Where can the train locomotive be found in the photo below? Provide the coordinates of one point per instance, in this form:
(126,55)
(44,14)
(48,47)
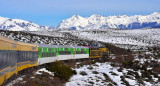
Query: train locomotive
(16,56)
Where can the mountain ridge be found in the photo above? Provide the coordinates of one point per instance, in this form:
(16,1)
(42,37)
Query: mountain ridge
(122,21)
(19,25)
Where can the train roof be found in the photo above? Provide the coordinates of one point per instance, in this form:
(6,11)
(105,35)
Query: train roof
(80,47)
(63,46)
(59,46)
(47,45)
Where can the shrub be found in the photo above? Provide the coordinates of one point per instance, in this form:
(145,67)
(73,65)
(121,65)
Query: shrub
(110,84)
(137,75)
(91,82)
(112,73)
(94,72)
(159,79)
(61,70)
(90,68)
(123,80)
(120,69)
(127,63)
(83,73)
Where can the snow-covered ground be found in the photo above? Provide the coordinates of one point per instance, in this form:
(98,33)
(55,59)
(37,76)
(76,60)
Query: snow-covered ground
(44,37)
(122,38)
(22,81)
(103,74)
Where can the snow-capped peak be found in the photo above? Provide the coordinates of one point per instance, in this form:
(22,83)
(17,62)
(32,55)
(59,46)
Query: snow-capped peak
(122,21)
(19,25)
(76,16)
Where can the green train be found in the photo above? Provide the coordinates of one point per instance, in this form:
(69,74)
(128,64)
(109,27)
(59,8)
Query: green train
(51,53)
(16,56)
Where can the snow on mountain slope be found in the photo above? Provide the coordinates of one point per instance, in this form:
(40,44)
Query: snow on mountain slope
(122,38)
(19,25)
(100,22)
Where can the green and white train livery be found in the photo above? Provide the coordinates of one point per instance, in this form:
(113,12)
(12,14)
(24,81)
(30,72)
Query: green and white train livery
(52,53)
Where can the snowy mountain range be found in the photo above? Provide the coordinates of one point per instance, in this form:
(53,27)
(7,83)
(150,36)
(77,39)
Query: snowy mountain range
(19,25)
(100,22)
(77,22)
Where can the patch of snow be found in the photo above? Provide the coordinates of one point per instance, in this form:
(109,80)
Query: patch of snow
(15,81)
(44,70)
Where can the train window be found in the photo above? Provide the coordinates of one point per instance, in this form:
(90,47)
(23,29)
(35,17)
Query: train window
(36,55)
(50,49)
(1,54)
(48,54)
(32,54)
(45,55)
(24,54)
(10,54)
(65,49)
(53,54)
(29,55)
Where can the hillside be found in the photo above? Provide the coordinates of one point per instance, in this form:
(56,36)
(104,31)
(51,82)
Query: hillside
(123,66)
(128,39)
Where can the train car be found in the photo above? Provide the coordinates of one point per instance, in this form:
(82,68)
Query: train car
(27,55)
(81,52)
(72,52)
(65,52)
(52,53)
(47,53)
(8,58)
(98,52)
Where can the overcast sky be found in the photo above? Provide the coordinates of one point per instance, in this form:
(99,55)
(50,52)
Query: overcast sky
(52,12)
